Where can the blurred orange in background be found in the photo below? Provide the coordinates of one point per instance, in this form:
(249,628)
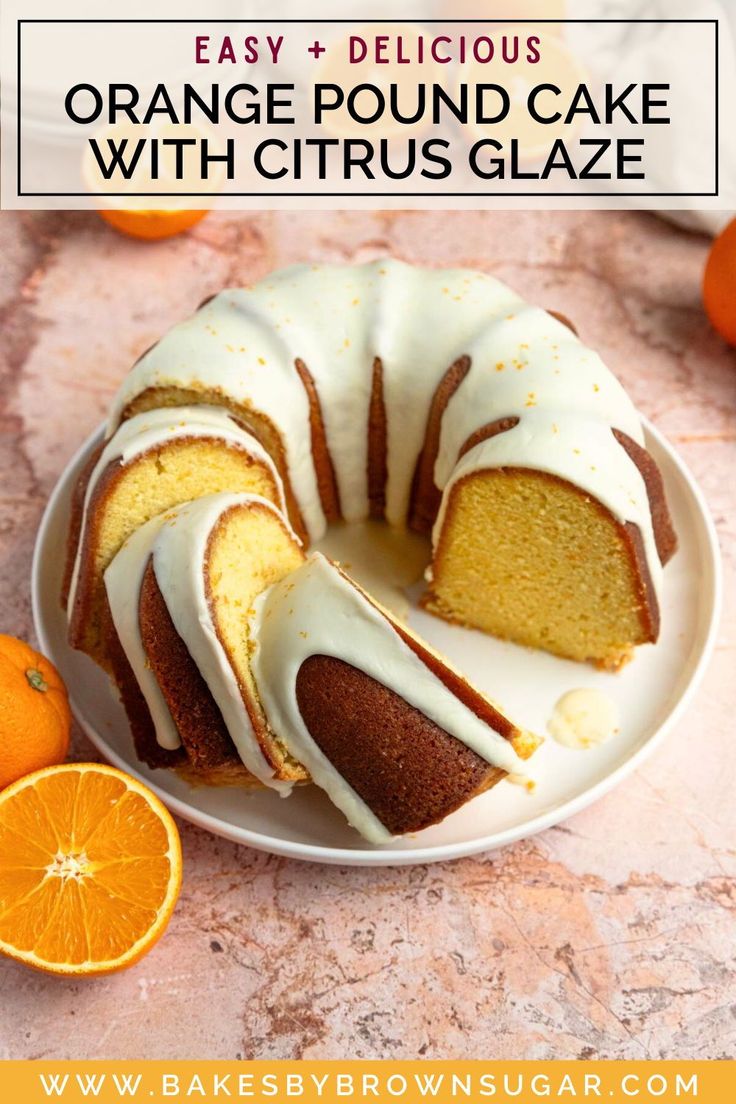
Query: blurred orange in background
(335,68)
(719,284)
(151,225)
(163,208)
(556,66)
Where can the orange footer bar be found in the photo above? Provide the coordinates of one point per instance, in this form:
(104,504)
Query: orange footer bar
(385,1082)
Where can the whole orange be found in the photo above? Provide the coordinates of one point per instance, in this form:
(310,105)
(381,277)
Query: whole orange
(719,284)
(34,711)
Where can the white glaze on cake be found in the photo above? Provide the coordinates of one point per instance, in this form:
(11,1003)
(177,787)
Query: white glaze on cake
(179,554)
(528,362)
(579,450)
(236,345)
(154,428)
(316,610)
(177,542)
(338,319)
(123,581)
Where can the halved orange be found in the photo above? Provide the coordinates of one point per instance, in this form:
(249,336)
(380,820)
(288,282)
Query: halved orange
(153,206)
(90,869)
(151,225)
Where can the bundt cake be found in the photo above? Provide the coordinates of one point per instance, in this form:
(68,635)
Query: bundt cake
(415,395)
(152,462)
(394,736)
(437,400)
(179,594)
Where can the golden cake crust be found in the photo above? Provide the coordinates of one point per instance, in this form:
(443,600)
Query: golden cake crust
(284,767)
(85,629)
(249,419)
(199,722)
(425,495)
(408,783)
(664,530)
(323,465)
(147,747)
(228,772)
(377,444)
(76,517)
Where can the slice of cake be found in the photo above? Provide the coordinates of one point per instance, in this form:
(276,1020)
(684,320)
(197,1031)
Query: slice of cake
(241,663)
(179,592)
(394,736)
(153,462)
(540,553)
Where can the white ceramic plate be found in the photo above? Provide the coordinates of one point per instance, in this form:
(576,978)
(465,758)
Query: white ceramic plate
(651,694)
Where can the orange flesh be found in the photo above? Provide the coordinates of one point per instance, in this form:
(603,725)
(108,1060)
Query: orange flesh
(90,868)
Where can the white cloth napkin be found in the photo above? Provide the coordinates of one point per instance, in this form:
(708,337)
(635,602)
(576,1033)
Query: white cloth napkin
(632,46)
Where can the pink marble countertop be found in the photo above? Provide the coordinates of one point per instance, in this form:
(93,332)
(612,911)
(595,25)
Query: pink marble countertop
(612,935)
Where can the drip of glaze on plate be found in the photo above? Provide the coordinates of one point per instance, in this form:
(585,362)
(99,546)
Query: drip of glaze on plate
(583,718)
(523,780)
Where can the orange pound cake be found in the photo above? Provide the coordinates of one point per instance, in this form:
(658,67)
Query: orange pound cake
(152,462)
(441,400)
(394,736)
(179,594)
(257,666)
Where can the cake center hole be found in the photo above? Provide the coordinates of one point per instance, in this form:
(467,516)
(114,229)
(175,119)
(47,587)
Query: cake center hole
(385,561)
